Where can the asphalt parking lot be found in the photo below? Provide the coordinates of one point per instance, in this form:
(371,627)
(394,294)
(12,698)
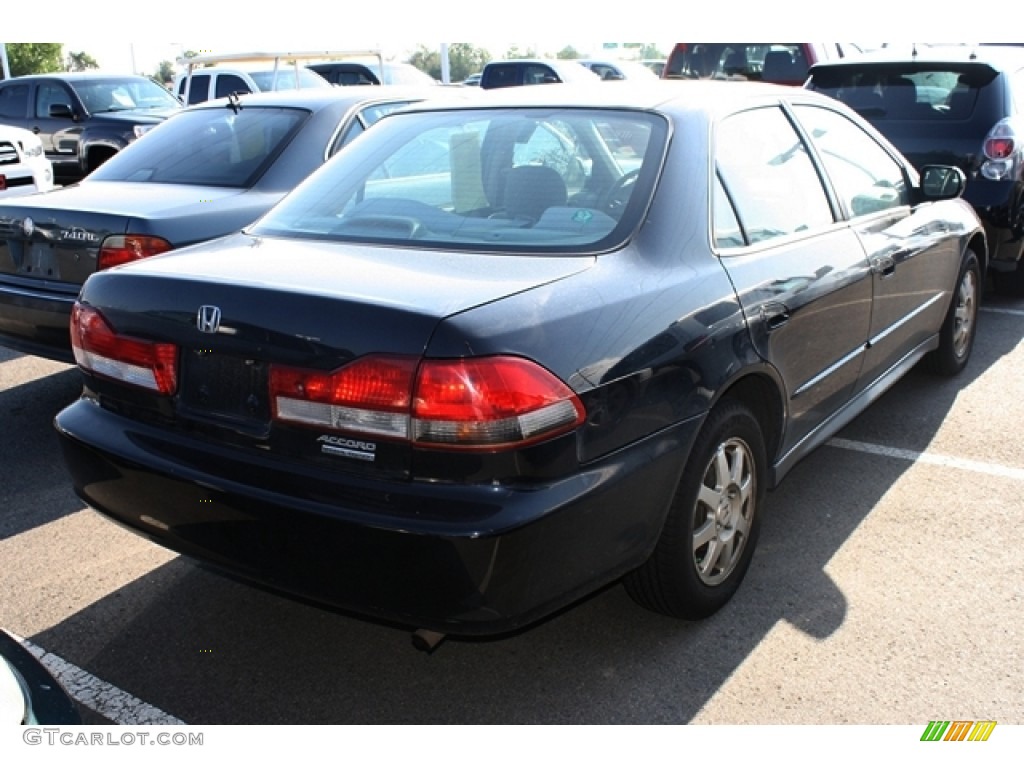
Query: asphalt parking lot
(887,588)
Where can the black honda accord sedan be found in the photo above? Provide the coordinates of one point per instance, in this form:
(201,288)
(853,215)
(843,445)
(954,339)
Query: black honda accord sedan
(496,355)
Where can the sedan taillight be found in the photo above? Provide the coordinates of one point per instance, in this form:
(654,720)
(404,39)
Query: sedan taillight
(483,403)
(121,249)
(98,348)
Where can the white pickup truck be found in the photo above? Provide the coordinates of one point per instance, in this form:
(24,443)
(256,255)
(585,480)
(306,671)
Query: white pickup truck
(24,167)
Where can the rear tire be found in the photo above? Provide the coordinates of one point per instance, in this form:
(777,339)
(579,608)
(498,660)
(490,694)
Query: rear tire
(956,338)
(712,525)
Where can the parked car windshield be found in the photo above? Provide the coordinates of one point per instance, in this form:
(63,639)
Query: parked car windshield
(534,180)
(117,94)
(214,147)
(905,90)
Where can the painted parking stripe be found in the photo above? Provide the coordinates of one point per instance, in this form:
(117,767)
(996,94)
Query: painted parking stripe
(1003,311)
(929,458)
(107,700)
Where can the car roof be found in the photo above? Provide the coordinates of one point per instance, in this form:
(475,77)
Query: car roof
(997,56)
(655,95)
(81,76)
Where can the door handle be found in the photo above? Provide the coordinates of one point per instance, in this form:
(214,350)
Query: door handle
(883,265)
(774,315)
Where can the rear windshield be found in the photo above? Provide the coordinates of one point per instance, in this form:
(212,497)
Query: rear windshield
(529,180)
(738,61)
(911,91)
(209,147)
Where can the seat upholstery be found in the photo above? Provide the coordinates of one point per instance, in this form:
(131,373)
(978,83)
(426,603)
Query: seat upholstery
(532,189)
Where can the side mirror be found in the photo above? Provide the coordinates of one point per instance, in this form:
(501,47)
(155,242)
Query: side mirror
(942,182)
(62,110)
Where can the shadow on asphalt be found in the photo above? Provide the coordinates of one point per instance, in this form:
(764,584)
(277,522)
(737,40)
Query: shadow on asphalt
(35,487)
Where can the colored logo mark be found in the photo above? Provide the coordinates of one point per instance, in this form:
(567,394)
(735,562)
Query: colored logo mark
(958,730)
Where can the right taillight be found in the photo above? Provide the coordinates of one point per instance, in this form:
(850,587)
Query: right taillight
(485,403)
(1001,151)
(100,349)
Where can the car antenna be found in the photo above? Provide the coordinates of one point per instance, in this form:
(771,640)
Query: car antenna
(913,52)
(234,102)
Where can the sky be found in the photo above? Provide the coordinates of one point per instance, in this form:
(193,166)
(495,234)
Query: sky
(398,27)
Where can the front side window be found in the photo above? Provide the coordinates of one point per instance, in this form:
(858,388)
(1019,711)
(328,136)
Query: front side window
(210,147)
(50,94)
(118,94)
(484,180)
(865,176)
(769,175)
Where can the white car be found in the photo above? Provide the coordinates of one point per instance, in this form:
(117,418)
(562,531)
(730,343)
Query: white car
(24,168)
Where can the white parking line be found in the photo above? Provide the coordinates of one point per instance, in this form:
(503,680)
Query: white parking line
(1002,311)
(938,459)
(108,700)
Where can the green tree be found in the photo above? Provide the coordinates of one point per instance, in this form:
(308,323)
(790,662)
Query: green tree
(568,53)
(164,72)
(79,62)
(515,53)
(427,60)
(650,51)
(464,60)
(35,58)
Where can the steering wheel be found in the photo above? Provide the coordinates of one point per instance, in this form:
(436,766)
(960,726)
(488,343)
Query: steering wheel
(615,199)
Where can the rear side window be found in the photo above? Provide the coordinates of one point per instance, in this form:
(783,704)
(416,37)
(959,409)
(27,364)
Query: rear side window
(769,176)
(197,90)
(905,91)
(14,101)
(501,75)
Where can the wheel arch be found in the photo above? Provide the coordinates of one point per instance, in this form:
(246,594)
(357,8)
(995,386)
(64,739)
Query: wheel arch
(761,391)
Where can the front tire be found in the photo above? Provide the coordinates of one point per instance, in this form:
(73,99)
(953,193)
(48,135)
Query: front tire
(956,338)
(712,525)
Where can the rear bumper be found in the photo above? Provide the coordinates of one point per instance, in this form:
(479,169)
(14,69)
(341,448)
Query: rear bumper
(36,322)
(460,559)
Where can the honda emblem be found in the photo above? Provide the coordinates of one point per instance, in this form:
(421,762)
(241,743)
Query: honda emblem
(208,318)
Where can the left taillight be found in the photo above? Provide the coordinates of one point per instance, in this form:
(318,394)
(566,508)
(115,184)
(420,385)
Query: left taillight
(121,249)
(486,403)
(98,348)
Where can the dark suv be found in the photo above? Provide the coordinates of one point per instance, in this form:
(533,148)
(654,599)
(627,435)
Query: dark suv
(83,118)
(957,105)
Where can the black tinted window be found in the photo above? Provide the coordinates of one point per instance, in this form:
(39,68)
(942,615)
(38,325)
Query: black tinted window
(907,90)
(14,100)
(228,84)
